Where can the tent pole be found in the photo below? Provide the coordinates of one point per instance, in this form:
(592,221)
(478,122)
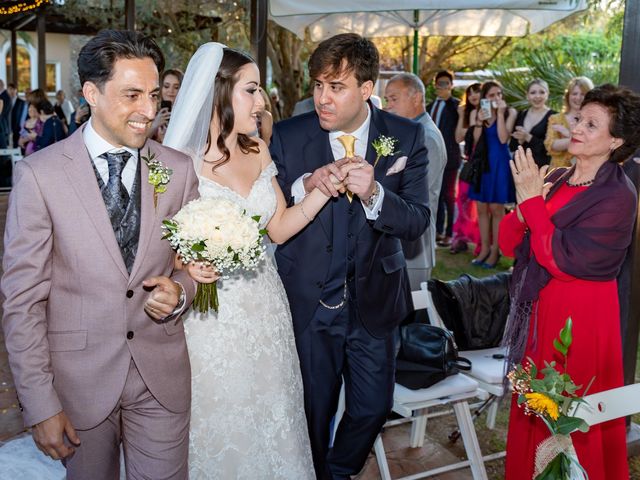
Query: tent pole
(416,40)
(259,15)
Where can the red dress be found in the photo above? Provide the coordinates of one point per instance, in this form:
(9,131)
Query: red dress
(596,349)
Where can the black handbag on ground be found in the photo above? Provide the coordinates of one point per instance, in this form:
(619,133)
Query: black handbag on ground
(427,355)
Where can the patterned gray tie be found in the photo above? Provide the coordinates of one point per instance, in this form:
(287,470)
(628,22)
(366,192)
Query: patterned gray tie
(114,193)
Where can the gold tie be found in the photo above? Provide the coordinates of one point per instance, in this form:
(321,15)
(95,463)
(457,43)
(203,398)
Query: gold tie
(348,142)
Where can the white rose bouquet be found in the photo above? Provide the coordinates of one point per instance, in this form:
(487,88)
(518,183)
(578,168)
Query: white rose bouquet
(219,233)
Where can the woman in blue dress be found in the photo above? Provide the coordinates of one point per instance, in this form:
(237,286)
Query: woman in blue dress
(495,124)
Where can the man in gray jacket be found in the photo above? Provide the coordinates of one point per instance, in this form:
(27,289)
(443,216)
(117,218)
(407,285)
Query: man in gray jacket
(404,95)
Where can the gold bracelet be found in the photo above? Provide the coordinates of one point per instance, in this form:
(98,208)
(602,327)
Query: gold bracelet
(304,214)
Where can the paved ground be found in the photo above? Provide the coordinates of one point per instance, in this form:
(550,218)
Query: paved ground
(402,460)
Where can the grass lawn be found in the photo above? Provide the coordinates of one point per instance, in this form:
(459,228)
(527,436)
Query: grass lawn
(449,267)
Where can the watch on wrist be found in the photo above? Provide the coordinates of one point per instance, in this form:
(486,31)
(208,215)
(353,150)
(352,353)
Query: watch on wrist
(371,201)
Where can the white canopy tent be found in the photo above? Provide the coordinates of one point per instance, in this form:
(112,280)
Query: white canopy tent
(385,18)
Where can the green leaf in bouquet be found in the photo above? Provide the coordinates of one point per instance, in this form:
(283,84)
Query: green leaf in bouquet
(256,218)
(538,385)
(565,334)
(560,347)
(571,388)
(198,247)
(566,425)
(521,399)
(263,231)
(553,470)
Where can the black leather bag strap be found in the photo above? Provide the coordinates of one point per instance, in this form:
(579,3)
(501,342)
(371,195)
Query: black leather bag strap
(461,363)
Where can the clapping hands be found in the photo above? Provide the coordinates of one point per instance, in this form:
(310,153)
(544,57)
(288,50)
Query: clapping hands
(527,177)
(521,135)
(562,130)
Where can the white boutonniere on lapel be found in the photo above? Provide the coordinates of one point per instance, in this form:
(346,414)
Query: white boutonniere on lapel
(159,175)
(384,147)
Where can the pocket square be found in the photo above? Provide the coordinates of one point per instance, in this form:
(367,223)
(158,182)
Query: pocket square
(397,166)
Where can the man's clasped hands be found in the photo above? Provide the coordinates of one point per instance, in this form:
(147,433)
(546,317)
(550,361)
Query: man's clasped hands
(350,173)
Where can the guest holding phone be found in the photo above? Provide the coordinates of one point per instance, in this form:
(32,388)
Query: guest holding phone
(169,86)
(492,127)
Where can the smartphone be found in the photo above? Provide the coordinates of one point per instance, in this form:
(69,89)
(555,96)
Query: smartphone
(485,106)
(165,104)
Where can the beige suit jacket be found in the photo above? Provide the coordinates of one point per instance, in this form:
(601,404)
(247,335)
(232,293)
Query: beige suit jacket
(70,304)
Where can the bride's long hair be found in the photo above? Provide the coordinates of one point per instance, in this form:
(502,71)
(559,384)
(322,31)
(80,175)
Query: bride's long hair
(226,79)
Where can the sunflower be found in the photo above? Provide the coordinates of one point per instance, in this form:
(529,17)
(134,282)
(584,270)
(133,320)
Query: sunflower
(542,404)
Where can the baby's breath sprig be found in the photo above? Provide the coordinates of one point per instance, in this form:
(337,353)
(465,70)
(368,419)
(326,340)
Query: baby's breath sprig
(384,147)
(159,175)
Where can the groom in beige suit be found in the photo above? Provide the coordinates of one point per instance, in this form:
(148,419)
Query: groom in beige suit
(92,311)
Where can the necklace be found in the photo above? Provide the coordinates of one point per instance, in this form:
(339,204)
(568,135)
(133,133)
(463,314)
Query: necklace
(581,184)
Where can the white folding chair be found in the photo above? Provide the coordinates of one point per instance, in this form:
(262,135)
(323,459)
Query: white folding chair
(487,365)
(609,405)
(413,406)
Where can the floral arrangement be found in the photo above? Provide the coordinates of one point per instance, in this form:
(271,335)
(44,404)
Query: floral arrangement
(552,398)
(384,147)
(159,175)
(219,233)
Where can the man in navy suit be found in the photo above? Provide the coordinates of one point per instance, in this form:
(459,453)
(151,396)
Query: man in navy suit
(444,111)
(345,273)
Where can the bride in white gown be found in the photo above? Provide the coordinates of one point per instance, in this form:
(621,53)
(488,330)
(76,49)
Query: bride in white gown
(247,414)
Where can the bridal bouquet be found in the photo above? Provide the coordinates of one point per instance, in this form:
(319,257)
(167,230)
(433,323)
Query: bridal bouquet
(552,398)
(219,233)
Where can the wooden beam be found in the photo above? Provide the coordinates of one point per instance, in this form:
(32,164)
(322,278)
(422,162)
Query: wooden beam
(130,14)
(42,54)
(14,57)
(259,13)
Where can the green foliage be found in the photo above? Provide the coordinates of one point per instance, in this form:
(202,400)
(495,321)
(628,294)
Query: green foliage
(557,61)
(563,343)
(559,467)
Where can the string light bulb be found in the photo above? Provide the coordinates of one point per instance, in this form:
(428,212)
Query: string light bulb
(21,7)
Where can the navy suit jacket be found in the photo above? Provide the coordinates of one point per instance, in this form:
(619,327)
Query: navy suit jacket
(448,124)
(299,145)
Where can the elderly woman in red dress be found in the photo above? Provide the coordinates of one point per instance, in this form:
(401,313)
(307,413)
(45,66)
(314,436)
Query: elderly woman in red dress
(569,237)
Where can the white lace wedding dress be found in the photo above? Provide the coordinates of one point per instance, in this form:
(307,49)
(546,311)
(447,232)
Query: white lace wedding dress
(247,412)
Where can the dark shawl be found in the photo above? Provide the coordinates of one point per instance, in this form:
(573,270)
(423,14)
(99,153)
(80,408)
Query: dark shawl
(593,232)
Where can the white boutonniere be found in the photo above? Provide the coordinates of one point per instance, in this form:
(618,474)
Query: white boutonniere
(384,147)
(159,175)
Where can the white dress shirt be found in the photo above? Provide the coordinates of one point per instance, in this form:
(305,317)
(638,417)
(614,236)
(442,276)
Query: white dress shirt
(361,145)
(96,145)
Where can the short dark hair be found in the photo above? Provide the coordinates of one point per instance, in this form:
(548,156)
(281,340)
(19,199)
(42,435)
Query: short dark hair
(444,73)
(360,54)
(623,105)
(226,79)
(36,96)
(98,56)
(12,85)
(43,106)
